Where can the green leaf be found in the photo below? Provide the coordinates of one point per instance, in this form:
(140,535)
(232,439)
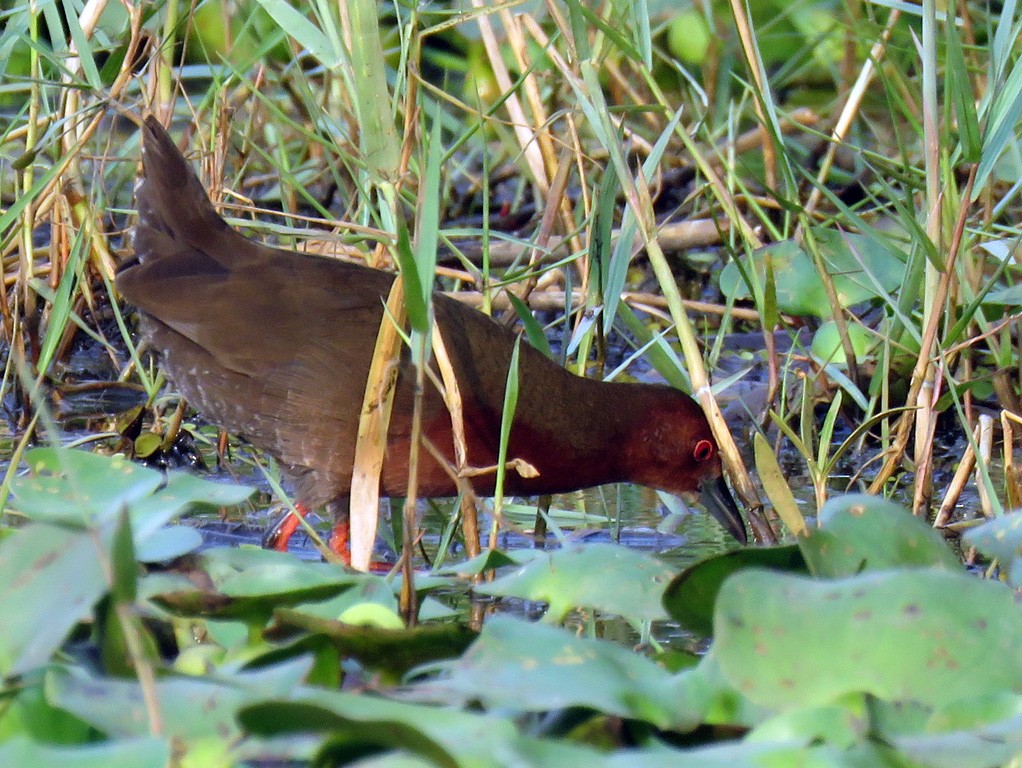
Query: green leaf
(169,543)
(828,349)
(839,725)
(129,753)
(1000,539)
(507,417)
(626,245)
(1002,117)
(775,484)
(192,708)
(445,736)
(859,533)
(927,635)
(523,667)
(80,489)
(61,303)
(113,628)
(860,267)
(378,136)
(307,34)
(657,351)
(980,745)
(27,713)
(533,330)
(249,584)
(394,649)
(1007,296)
(691,595)
(125,567)
(959,91)
(487,560)
(415,289)
(427,220)
(52,579)
(604,212)
(605,577)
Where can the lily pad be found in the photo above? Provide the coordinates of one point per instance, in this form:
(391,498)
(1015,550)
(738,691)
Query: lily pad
(827,345)
(251,584)
(837,725)
(1001,539)
(487,560)
(859,533)
(82,489)
(979,746)
(76,487)
(129,753)
(366,724)
(519,666)
(395,650)
(605,577)
(192,708)
(690,597)
(927,635)
(860,268)
(51,578)
(169,543)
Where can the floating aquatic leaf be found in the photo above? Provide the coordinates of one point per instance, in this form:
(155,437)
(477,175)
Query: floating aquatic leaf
(381,645)
(860,268)
(82,489)
(1001,538)
(927,635)
(979,745)
(446,736)
(127,753)
(51,578)
(690,597)
(249,584)
(605,577)
(532,667)
(859,533)
(827,346)
(192,708)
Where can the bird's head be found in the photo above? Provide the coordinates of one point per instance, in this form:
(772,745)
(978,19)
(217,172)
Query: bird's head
(673,449)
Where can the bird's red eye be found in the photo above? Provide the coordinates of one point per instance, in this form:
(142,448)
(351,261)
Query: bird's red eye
(703,450)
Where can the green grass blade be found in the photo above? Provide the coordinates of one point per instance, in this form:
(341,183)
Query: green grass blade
(1005,111)
(380,144)
(507,418)
(959,91)
(304,32)
(427,220)
(533,330)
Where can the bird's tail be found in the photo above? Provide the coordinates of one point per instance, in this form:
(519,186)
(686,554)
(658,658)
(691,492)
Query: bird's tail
(174,213)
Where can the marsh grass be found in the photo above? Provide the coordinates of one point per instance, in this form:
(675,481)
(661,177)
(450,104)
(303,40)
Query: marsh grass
(558,166)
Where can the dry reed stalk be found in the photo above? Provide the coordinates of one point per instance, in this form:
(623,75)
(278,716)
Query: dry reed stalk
(986,450)
(373,425)
(957,484)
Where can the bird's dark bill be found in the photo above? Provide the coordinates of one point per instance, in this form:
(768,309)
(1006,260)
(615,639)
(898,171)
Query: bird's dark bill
(716,497)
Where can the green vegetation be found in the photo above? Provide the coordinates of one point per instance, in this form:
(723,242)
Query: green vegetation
(851,169)
(864,641)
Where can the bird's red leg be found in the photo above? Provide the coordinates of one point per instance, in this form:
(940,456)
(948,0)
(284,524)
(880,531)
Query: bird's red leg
(278,536)
(280,533)
(340,535)
(339,539)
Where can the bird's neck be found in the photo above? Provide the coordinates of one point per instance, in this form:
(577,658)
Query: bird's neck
(585,437)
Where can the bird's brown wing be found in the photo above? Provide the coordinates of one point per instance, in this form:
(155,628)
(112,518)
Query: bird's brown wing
(277,349)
